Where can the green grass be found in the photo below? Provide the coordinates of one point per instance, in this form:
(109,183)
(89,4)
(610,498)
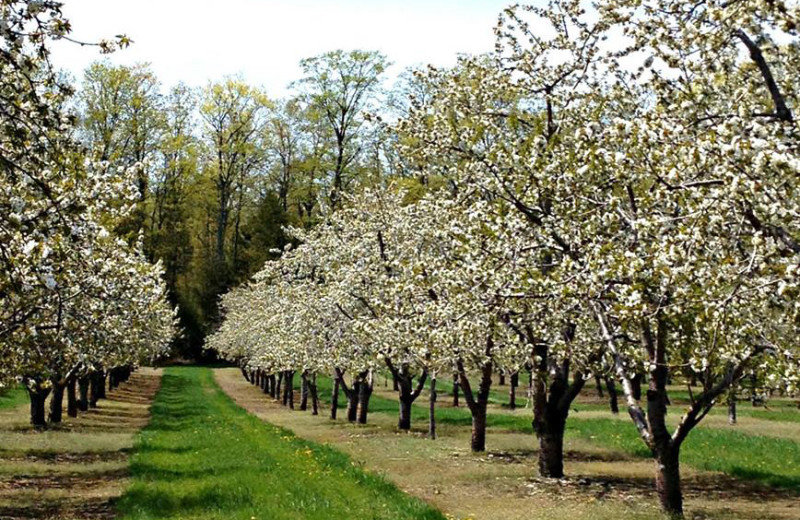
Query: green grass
(12,397)
(204,457)
(771,461)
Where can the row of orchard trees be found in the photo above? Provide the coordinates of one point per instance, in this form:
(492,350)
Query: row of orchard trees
(75,300)
(614,190)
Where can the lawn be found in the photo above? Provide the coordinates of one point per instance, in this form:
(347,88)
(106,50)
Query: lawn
(202,456)
(12,397)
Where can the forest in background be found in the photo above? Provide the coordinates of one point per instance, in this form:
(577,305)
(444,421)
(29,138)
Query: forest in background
(223,168)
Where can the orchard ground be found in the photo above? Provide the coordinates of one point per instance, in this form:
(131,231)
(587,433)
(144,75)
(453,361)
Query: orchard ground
(201,456)
(79,468)
(747,471)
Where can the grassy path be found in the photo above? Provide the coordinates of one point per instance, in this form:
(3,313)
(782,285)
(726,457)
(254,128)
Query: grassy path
(204,457)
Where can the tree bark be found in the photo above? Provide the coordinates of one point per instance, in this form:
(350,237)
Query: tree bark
(407,394)
(732,405)
(278,394)
(72,401)
(57,401)
(404,416)
(477,403)
(455,390)
(101,384)
(551,449)
(304,391)
(612,395)
(668,481)
(364,393)
(478,439)
(334,397)
(312,386)
(352,398)
(94,389)
(552,397)
(432,410)
(636,383)
(599,386)
(83,390)
(37,396)
(512,391)
(288,392)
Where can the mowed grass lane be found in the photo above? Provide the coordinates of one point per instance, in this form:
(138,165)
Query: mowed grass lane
(767,460)
(204,457)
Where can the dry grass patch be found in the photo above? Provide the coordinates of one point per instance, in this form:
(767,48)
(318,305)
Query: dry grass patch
(78,468)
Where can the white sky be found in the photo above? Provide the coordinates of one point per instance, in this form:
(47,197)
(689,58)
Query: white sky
(197,41)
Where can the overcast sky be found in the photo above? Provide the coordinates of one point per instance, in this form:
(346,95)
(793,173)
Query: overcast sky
(196,41)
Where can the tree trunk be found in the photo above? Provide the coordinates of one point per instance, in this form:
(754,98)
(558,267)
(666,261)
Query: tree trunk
(612,395)
(478,441)
(334,397)
(455,390)
(501,379)
(599,385)
(552,397)
(304,391)
(668,481)
(352,399)
(432,410)
(57,401)
(404,417)
(407,394)
(278,394)
(551,449)
(512,391)
(364,393)
(478,403)
(732,405)
(72,401)
(94,390)
(636,384)
(38,396)
(288,385)
(245,374)
(312,386)
(101,384)
(83,389)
